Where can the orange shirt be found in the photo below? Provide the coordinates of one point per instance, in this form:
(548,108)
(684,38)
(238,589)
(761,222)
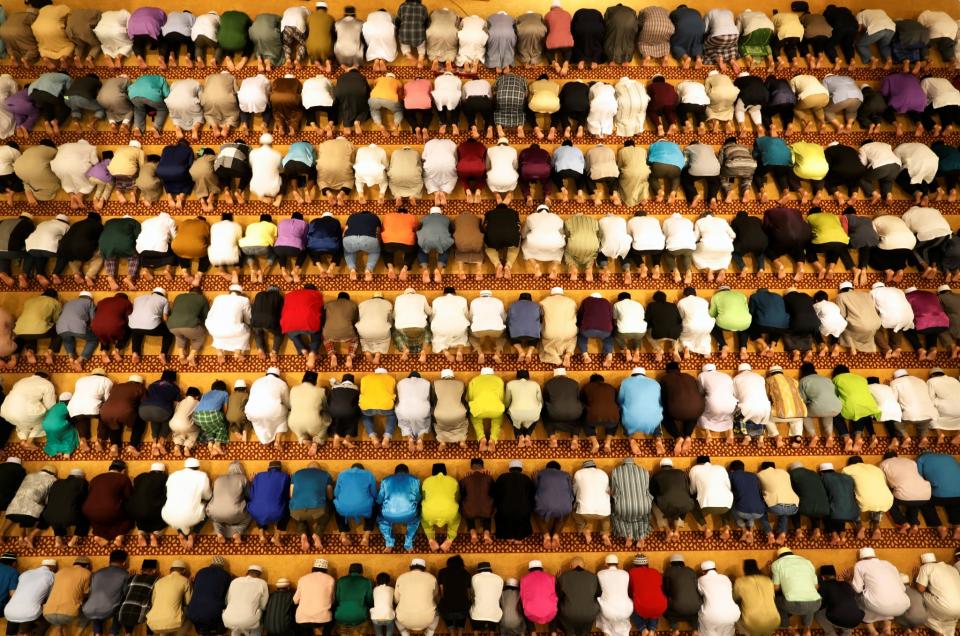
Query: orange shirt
(399,227)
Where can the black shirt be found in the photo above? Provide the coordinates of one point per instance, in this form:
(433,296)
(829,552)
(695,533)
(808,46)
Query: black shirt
(809,488)
(588,32)
(842,20)
(501,227)
(344,402)
(209,598)
(575,97)
(561,399)
(87,86)
(363,224)
(680,588)
(750,235)
(278,617)
(149,495)
(663,319)
(874,103)
(753,92)
(350,93)
(64,501)
(455,591)
(82,238)
(840,604)
(11,474)
(844,162)
(803,317)
(513,496)
(670,488)
(266,308)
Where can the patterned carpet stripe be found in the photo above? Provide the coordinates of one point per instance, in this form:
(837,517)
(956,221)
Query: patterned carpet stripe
(207,545)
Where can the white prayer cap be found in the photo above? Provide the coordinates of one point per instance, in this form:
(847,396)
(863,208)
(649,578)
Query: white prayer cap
(543,208)
(666,461)
(136,378)
(503,141)
(877,284)
(899,373)
(322,564)
(446,374)
(512,582)
(289,76)
(709,367)
(273,371)
(486,371)
(319,5)
(191,462)
(714,72)
(846,285)
(266,139)
(418,562)
(86,294)
(559,371)
(826,466)
(286,582)
(909,290)
(379,370)
(775,368)
(253,567)
(134,143)
(436,210)
(943,288)
(744,366)
(240,384)
(486,292)
(905,578)
(160,290)
(65,396)
(14,460)
(158,466)
(708,565)
(556,3)
(935,370)
(928,557)
(795,465)
(536,563)
(611,559)
(638,371)
(76,472)
(556,291)
(867,553)
(50,563)
(235,288)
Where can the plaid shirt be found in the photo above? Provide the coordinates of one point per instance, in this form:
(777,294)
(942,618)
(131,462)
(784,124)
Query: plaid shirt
(511,98)
(412,23)
(232,156)
(136,604)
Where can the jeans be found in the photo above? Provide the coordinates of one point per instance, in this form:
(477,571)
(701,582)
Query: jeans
(70,343)
(382,628)
(882,39)
(442,257)
(78,104)
(642,623)
(354,244)
(296,337)
(584,336)
(746,519)
(389,426)
(783,513)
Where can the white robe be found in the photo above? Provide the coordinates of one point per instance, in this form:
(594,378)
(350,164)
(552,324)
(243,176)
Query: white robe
(750,390)
(111,30)
(945,392)
(224,246)
(715,246)
(380,34)
(697,324)
(832,322)
(719,612)
(603,107)
(472,40)
(502,175)
(183,102)
(439,166)
(267,407)
(632,101)
(717,388)
(616,607)
(451,319)
(228,322)
(8,86)
(188,490)
(71,163)
(370,168)
(413,406)
(543,238)
(265,164)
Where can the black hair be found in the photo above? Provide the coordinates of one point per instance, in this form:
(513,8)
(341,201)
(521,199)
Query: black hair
(455,562)
(348,377)
(889,454)
(729,140)
(449,290)
(750,567)
(266,217)
(168,375)
(218,385)
(106,154)
(873,380)
(48,143)
(856,459)
(523,374)
(117,465)
(227,216)
(623,295)
(840,368)
(567,142)
(309,377)
(596,377)
(820,296)
(849,210)
(766,465)
(401,468)
(194,392)
(343,295)
(659,296)
(806,369)
(553,464)
(736,465)
(50,293)
(297,215)
(703,459)
(310,286)
(383,579)
(196,289)
(13,145)
(118,556)
(689,291)
(526,296)
(828,571)
(673,365)
(439,468)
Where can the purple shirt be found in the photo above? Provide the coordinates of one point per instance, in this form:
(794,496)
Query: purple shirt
(903,92)
(25,114)
(927,310)
(291,233)
(595,314)
(146,21)
(99,171)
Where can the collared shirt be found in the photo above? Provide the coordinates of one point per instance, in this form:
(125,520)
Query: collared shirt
(878,582)
(591,488)
(942,583)
(314,598)
(149,310)
(246,600)
(171,595)
(89,393)
(711,486)
(796,577)
(26,604)
(487,588)
(415,594)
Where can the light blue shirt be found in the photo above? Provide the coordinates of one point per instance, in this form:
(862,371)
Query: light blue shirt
(639,399)
(178,22)
(568,158)
(666,152)
(53,83)
(842,87)
(301,151)
(354,493)
(399,498)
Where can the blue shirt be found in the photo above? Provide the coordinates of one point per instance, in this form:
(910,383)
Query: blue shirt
(8,583)
(150,87)
(772,151)
(639,399)
(309,489)
(568,158)
(209,596)
(53,83)
(747,495)
(949,157)
(354,493)
(666,152)
(523,319)
(212,401)
(163,394)
(943,473)
(768,309)
(301,151)
(269,493)
(324,234)
(399,498)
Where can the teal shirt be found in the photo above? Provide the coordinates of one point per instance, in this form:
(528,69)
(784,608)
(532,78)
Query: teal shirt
(152,87)
(61,434)
(730,309)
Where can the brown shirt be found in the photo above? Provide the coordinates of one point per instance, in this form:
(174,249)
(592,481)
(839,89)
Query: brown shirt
(192,239)
(285,100)
(476,495)
(600,400)
(70,587)
(17,34)
(467,235)
(80,25)
(120,409)
(341,316)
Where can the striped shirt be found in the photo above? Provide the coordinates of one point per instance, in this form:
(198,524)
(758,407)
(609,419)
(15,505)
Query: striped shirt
(785,397)
(632,502)
(136,604)
(278,615)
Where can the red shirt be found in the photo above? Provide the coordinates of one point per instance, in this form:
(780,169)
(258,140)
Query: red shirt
(662,95)
(110,318)
(559,35)
(646,588)
(471,159)
(302,310)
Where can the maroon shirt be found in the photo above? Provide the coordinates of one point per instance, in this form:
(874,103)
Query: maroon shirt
(110,318)
(600,402)
(471,159)
(476,495)
(534,163)
(120,409)
(662,95)
(595,314)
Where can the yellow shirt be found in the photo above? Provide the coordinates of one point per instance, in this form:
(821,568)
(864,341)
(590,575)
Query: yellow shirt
(171,594)
(827,229)
(873,494)
(440,498)
(386,88)
(758,609)
(485,396)
(809,160)
(788,25)
(776,487)
(259,234)
(378,391)
(544,96)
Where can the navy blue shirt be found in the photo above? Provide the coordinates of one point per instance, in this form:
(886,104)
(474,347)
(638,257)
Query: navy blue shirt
(8,583)
(554,498)
(768,309)
(209,598)
(524,319)
(747,496)
(363,224)
(324,235)
(163,394)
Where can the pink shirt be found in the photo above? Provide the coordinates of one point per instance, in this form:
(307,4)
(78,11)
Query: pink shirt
(538,596)
(416,94)
(559,35)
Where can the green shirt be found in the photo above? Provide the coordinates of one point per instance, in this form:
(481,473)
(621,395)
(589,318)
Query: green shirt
(119,238)
(796,577)
(855,396)
(232,36)
(827,229)
(354,594)
(189,310)
(152,87)
(729,307)
(39,315)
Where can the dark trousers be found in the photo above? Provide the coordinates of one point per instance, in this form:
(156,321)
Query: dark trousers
(577,177)
(260,338)
(783,177)
(171,44)
(689,184)
(784,111)
(679,428)
(909,512)
(166,338)
(51,107)
(697,111)
(478,111)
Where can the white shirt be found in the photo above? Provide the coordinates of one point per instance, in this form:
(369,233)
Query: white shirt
(295,17)
(8,155)
(206,24)
(487,314)
(477,87)
(471,41)
(502,172)
(942,583)
(410,311)
(413,399)
(914,398)
(878,582)
(691,92)
(188,490)
(111,30)
(630,316)
(940,24)
(940,92)
(450,315)
(246,600)
(697,324)
(446,91)
(632,101)
(646,232)
(832,322)
(252,94)
(894,308)
(926,223)
(886,399)
(224,248)
(439,165)
(591,489)
(379,33)
(615,241)
(717,388)
(267,407)
(894,233)
(710,484)
(228,322)
(71,163)
(46,236)
(877,154)
(265,166)
(26,603)
(679,232)
(750,390)
(370,164)
(543,237)
(317,91)
(89,394)
(945,391)
(874,20)
(149,310)
(603,107)
(487,588)
(616,606)
(718,606)
(382,609)
(920,161)
(156,233)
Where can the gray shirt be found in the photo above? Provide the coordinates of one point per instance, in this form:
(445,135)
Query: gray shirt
(701,160)
(435,233)
(513,620)
(148,311)
(951,304)
(76,315)
(107,589)
(820,395)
